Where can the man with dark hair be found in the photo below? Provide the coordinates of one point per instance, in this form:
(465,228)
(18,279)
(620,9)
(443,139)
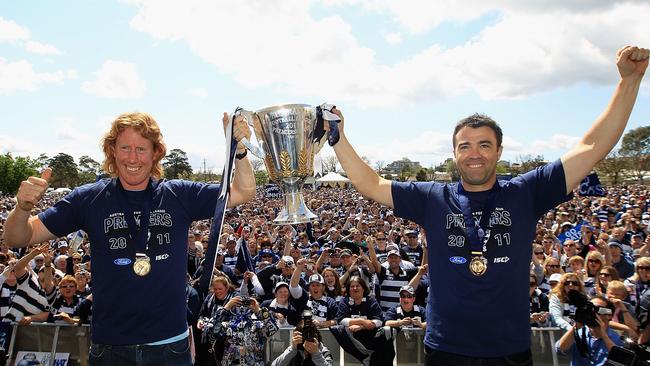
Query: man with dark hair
(138,224)
(480,229)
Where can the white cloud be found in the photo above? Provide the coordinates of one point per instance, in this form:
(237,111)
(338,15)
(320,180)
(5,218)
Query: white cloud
(20,76)
(11,31)
(41,48)
(116,79)
(393,38)
(531,47)
(198,92)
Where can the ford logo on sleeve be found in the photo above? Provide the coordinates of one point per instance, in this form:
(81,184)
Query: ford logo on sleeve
(122,261)
(458,260)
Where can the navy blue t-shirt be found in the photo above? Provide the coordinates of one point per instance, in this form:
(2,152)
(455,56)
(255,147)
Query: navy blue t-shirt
(129,309)
(480,316)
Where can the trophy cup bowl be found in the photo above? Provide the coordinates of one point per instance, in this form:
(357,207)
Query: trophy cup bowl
(287,135)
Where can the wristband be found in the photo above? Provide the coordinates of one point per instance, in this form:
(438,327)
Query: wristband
(242,155)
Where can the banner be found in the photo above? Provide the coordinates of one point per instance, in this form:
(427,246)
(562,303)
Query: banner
(590,186)
(574,233)
(272,192)
(29,358)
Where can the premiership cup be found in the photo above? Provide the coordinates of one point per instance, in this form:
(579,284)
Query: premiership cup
(287,134)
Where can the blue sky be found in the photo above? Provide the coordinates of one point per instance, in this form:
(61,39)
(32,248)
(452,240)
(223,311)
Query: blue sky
(403,72)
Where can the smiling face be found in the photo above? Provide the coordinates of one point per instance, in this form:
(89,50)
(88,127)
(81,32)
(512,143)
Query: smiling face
(476,155)
(134,159)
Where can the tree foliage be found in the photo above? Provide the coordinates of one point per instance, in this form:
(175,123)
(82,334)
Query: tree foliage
(527,163)
(330,163)
(15,170)
(611,168)
(421,176)
(89,169)
(636,148)
(65,172)
(176,164)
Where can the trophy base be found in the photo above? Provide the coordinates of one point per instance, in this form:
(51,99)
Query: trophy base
(294,211)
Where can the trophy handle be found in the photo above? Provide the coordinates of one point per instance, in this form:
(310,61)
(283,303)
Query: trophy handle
(249,116)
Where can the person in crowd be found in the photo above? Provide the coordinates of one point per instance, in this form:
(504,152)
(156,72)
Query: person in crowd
(282,271)
(333,286)
(569,250)
(598,339)
(243,327)
(477,149)
(406,313)
(621,262)
(593,264)
(123,251)
(606,275)
(551,267)
(322,307)
(623,310)
(283,307)
(391,279)
(560,310)
(304,352)
(539,315)
(65,302)
(360,331)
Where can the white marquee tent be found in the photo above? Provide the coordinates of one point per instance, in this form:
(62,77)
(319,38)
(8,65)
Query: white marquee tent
(333,179)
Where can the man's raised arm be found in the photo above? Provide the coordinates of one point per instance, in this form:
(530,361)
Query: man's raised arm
(362,176)
(608,128)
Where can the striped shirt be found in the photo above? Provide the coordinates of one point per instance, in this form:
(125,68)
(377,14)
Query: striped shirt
(28,300)
(6,296)
(389,285)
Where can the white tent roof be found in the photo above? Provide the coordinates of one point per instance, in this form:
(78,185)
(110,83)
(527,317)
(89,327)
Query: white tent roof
(332,177)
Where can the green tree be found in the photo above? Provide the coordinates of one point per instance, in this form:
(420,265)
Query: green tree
(612,167)
(65,172)
(41,162)
(176,164)
(261,177)
(421,176)
(636,147)
(14,171)
(527,163)
(89,169)
(452,169)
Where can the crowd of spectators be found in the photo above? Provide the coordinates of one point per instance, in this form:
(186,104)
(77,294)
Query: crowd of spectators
(357,269)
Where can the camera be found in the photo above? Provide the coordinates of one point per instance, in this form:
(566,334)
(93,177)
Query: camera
(308,329)
(585,311)
(245,301)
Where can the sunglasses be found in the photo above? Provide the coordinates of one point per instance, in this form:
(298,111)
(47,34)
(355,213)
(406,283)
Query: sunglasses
(572,283)
(553,265)
(605,275)
(406,296)
(381,239)
(645,268)
(593,261)
(67,286)
(538,253)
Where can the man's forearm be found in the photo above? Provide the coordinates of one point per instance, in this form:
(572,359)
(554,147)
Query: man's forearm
(243,183)
(18,228)
(362,176)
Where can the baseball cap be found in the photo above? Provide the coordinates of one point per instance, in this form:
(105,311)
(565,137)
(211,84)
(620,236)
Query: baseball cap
(645,219)
(316,278)
(410,232)
(288,260)
(408,289)
(264,252)
(345,252)
(615,243)
(393,252)
(555,277)
(280,284)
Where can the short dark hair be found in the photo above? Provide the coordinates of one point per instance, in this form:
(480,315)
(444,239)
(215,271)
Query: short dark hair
(477,120)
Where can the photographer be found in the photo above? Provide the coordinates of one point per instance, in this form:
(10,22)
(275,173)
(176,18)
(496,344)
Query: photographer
(589,343)
(305,351)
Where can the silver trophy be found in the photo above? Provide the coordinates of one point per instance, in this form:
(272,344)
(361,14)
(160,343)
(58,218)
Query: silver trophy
(287,136)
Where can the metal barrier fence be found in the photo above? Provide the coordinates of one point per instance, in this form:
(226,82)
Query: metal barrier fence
(75,340)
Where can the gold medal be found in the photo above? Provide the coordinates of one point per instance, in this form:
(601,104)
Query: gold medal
(142,265)
(478,265)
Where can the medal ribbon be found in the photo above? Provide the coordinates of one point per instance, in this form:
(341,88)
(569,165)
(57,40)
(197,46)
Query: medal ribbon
(137,234)
(220,210)
(476,235)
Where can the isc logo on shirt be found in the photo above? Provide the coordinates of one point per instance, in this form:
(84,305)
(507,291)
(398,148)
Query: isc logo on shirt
(162,257)
(501,260)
